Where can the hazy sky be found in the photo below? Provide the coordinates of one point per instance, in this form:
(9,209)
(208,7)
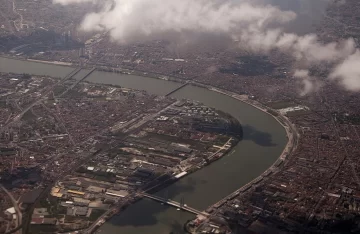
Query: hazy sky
(258,26)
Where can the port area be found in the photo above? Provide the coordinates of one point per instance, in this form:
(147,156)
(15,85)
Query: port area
(81,152)
(217,220)
(213,220)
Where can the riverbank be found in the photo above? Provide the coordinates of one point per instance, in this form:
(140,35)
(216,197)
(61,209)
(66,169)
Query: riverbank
(282,120)
(124,71)
(111,213)
(51,62)
(292,135)
(290,129)
(217,178)
(57,63)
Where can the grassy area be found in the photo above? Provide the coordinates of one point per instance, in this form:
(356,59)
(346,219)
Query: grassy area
(53,206)
(42,229)
(166,139)
(298,113)
(274,113)
(348,119)
(95,214)
(59,90)
(28,116)
(280,105)
(3,104)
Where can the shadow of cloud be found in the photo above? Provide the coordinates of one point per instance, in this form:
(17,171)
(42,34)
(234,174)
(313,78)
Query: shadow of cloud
(176,227)
(142,213)
(187,185)
(258,137)
(145,212)
(38,40)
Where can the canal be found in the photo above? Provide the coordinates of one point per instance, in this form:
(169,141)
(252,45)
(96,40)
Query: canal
(264,140)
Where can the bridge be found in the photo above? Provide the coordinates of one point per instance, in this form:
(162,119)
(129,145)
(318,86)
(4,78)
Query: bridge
(78,81)
(41,98)
(175,204)
(177,89)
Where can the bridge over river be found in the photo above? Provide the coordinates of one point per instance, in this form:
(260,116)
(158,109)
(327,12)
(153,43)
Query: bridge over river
(264,140)
(175,204)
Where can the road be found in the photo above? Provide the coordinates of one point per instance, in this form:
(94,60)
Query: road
(149,117)
(132,128)
(42,97)
(98,222)
(6,20)
(77,82)
(16,206)
(220,149)
(346,157)
(60,119)
(20,15)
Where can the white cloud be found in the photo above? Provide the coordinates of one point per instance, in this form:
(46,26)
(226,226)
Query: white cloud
(128,18)
(348,72)
(257,28)
(309,84)
(65,2)
(134,18)
(306,48)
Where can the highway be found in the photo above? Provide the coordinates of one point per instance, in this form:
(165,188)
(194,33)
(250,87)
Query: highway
(41,98)
(16,206)
(148,118)
(77,82)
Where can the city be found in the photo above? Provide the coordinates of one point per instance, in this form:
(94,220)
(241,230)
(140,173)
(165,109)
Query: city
(95,147)
(78,148)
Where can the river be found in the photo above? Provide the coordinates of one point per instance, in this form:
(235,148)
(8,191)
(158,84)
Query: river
(264,140)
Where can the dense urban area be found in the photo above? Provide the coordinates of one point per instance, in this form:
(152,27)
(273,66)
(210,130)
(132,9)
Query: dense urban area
(75,153)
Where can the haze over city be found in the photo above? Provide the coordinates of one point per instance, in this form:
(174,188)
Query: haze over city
(179,116)
(258,28)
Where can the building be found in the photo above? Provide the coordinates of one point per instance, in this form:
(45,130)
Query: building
(117,193)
